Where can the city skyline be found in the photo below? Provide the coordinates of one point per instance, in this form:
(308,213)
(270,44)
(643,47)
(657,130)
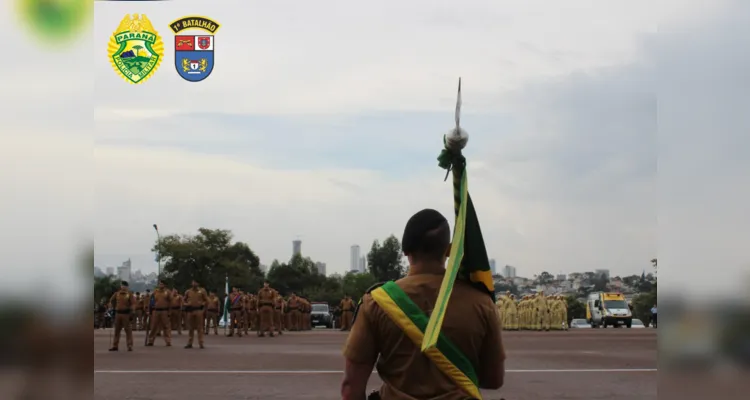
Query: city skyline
(561,156)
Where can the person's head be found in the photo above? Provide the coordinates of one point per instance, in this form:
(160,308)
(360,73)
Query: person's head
(266,283)
(137,293)
(148,292)
(195,284)
(124,286)
(427,237)
(162,285)
(234,289)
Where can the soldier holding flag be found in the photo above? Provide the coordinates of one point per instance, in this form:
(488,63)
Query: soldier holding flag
(451,349)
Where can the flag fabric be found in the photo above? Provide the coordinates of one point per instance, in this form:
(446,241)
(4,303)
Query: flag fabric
(468,257)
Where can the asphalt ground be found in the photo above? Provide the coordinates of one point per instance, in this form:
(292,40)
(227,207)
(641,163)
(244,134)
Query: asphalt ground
(578,364)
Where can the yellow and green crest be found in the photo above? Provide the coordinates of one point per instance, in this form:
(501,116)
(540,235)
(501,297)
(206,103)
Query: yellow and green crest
(135,49)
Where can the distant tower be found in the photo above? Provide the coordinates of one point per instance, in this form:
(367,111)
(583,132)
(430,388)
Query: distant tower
(362,264)
(296,247)
(354,258)
(492,266)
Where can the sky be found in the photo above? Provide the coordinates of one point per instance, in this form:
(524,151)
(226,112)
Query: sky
(596,136)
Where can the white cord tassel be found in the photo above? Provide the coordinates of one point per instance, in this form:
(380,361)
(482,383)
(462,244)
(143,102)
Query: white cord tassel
(457,138)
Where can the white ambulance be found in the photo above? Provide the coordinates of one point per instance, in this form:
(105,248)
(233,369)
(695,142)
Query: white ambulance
(608,309)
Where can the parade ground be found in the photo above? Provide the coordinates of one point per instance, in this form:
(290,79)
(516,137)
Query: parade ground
(580,364)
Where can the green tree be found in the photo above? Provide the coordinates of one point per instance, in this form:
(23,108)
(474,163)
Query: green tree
(137,50)
(356,284)
(105,287)
(600,283)
(385,262)
(576,308)
(503,286)
(208,257)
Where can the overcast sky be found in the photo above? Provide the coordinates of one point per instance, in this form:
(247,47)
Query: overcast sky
(327,124)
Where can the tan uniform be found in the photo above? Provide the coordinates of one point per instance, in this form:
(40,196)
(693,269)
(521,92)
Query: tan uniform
(140,303)
(543,313)
(347,313)
(212,314)
(265,309)
(471,324)
(294,313)
(287,316)
(253,312)
(195,301)
(236,307)
(245,326)
(278,313)
(159,316)
(124,306)
(175,313)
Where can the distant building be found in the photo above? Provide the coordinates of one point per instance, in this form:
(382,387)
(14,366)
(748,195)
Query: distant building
(354,258)
(321,266)
(600,272)
(124,271)
(362,264)
(111,271)
(562,277)
(509,272)
(296,247)
(492,267)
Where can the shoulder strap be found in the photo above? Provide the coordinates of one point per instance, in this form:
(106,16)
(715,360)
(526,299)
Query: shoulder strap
(359,303)
(413,322)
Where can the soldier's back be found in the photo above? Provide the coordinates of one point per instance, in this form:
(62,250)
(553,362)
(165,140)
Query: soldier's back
(471,324)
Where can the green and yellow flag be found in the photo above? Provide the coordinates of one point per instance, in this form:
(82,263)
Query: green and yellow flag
(468,257)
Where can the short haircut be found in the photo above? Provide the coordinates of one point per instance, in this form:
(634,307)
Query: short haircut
(427,236)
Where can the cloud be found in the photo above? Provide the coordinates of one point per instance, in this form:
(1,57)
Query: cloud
(331,130)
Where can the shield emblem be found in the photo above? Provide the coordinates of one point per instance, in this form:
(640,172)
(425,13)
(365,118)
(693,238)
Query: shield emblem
(194,56)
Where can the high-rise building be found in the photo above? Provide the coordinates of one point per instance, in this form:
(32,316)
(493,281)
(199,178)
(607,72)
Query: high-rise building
(296,247)
(362,264)
(492,266)
(509,272)
(123,271)
(354,258)
(321,266)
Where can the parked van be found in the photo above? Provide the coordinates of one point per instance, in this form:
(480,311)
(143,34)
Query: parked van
(608,309)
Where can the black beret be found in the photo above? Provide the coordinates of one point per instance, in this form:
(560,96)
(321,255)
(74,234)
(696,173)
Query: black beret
(124,283)
(418,225)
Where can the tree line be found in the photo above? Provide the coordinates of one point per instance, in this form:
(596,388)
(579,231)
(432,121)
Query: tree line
(211,256)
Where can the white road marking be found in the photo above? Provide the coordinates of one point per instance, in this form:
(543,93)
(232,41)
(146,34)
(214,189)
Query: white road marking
(330,372)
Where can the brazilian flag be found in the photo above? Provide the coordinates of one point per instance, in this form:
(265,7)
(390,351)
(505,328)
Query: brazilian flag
(468,257)
(55,21)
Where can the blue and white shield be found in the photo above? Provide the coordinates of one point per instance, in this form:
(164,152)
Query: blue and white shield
(194,56)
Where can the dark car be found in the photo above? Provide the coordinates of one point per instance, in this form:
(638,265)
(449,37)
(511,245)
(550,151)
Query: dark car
(321,315)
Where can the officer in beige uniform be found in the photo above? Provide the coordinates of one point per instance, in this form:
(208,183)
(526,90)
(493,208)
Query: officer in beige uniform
(472,325)
(124,306)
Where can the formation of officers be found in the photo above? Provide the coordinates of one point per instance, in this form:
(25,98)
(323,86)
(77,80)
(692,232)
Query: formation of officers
(535,312)
(166,310)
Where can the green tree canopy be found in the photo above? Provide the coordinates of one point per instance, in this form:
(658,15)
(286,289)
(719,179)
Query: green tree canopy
(208,257)
(385,262)
(105,287)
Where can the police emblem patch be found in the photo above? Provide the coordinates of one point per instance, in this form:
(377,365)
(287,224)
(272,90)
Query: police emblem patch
(194,47)
(135,49)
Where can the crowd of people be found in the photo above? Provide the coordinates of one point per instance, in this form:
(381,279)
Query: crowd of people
(535,312)
(167,310)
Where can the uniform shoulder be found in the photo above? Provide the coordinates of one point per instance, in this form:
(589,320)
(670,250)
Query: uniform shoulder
(375,286)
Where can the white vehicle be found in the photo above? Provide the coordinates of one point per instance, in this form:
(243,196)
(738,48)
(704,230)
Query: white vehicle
(579,323)
(608,309)
(637,323)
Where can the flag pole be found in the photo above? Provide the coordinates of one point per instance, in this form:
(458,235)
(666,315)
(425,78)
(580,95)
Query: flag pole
(226,303)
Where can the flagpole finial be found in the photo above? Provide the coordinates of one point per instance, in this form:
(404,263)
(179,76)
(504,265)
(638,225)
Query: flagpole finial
(457,138)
